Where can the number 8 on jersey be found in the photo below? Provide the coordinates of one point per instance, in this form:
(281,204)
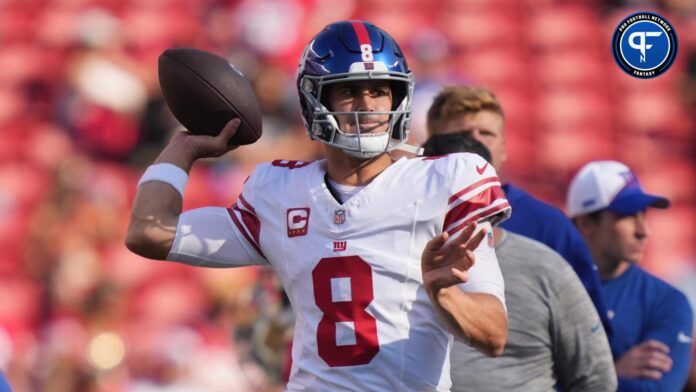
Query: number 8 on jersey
(330,276)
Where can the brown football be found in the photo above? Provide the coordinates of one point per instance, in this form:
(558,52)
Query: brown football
(204,91)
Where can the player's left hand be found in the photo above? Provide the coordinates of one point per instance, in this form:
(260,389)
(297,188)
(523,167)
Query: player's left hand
(445,264)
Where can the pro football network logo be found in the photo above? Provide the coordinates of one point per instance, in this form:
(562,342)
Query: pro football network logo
(644,45)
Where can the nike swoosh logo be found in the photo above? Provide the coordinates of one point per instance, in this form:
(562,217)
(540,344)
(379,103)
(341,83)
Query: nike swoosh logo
(480,170)
(595,328)
(683,338)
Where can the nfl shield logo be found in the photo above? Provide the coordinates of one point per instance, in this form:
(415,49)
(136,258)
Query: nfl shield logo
(339,217)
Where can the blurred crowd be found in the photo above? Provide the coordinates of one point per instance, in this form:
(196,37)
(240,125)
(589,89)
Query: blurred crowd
(81,116)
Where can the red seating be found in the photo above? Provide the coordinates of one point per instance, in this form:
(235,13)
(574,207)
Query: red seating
(68,166)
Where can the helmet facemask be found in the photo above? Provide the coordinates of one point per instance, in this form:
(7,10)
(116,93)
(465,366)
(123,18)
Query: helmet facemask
(364,143)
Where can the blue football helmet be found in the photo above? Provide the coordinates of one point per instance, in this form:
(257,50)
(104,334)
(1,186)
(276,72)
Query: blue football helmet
(354,51)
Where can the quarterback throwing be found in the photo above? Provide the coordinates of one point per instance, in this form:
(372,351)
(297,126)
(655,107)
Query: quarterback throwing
(383,261)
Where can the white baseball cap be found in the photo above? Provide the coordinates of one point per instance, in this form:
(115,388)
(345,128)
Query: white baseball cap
(611,185)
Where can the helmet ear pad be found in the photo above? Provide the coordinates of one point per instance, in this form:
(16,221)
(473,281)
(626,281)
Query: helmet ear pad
(401,102)
(325,95)
(399,92)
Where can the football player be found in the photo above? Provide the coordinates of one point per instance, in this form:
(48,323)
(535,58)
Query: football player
(383,261)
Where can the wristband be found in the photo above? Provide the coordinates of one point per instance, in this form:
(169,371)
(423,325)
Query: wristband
(167,173)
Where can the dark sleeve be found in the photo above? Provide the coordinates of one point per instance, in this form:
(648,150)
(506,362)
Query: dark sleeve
(670,323)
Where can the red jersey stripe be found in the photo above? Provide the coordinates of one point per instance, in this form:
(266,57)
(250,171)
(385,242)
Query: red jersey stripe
(246,204)
(471,187)
(486,197)
(243,230)
(252,223)
(482,214)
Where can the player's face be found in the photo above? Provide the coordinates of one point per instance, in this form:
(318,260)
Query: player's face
(619,237)
(370,96)
(485,126)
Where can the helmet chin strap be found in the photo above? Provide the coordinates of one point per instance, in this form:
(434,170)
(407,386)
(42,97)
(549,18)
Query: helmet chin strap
(363,155)
(365,146)
(411,149)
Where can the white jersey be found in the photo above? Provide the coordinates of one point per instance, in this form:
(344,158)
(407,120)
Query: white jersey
(352,271)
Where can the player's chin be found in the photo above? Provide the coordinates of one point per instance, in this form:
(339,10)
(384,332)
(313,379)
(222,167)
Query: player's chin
(368,128)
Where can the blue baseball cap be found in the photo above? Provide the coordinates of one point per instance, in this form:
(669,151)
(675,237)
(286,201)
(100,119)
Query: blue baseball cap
(609,185)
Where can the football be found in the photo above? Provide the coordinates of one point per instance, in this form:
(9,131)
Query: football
(204,91)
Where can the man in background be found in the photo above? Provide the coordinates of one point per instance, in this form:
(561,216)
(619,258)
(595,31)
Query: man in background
(477,110)
(555,337)
(652,320)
